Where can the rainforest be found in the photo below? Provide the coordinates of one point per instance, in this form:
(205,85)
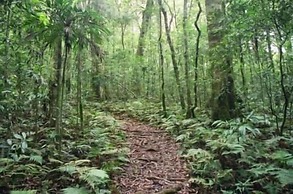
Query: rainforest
(146,97)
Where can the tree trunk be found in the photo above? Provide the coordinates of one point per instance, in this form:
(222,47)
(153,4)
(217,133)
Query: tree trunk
(196,54)
(79,89)
(161,59)
(173,56)
(53,91)
(269,47)
(242,68)
(146,17)
(58,92)
(7,8)
(96,78)
(123,28)
(223,91)
(189,110)
(259,62)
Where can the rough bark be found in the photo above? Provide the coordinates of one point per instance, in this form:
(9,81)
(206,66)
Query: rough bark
(53,92)
(223,91)
(58,92)
(146,17)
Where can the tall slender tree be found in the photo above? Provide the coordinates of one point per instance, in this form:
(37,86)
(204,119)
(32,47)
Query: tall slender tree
(173,55)
(189,109)
(196,55)
(161,60)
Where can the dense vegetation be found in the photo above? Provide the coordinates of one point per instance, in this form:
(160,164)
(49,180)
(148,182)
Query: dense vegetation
(216,74)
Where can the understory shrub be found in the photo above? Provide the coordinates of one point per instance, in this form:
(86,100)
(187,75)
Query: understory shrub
(31,163)
(237,156)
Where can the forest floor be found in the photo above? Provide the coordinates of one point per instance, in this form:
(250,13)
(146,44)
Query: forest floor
(154,163)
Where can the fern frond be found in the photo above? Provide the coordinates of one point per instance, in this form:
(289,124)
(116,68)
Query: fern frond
(36,158)
(80,162)
(94,177)
(75,190)
(285,176)
(70,169)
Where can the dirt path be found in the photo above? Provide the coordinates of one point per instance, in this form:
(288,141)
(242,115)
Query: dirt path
(155,166)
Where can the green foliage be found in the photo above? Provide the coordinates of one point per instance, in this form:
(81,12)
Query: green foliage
(239,156)
(75,190)
(24,192)
(94,178)
(231,154)
(19,144)
(246,152)
(84,166)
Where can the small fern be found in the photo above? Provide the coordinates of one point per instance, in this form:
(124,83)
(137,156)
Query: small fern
(36,158)
(285,177)
(75,190)
(93,177)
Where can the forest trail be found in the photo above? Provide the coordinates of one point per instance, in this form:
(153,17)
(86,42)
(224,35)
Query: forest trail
(154,165)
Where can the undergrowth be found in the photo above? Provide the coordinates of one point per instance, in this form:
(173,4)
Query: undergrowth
(31,163)
(237,156)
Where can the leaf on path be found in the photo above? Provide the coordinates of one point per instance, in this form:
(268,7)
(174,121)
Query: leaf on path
(154,164)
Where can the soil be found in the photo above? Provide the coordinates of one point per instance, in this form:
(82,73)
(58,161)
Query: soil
(154,163)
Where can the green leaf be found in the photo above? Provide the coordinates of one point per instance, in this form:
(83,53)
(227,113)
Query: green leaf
(285,176)
(80,162)
(123,159)
(68,168)
(219,123)
(9,142)
(234,148)
(43,18)
(93,176)
(201,181)
(188,122)
(290,162)
(24,192)
(181,137)
(24,145)
(98,173)
(23,135)
(35,1)
(37,158)
(227,192)
(110,152)
(17,136)
(244,128)
(281,155)
(199,153)
(75,190)
(53,160)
